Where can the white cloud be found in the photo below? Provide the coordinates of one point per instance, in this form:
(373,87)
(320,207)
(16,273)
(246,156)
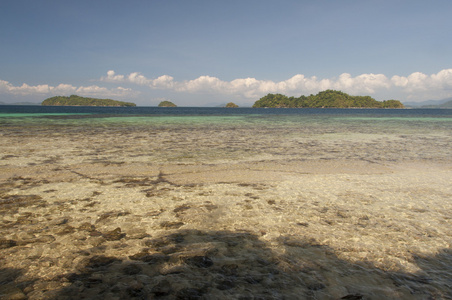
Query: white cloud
(414,82)
(97,91)
(365,83)
(252,87)
(24,89)
(137,78)
(421,86)
(420,82)
(163,82)
(414,86)
(64,89)
(202,84)
(112,77)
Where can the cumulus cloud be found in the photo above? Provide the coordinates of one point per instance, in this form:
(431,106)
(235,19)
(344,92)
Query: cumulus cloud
(421,86)
(63,89)
(24,89)
(252,87)
(420,82)
(367,83)
(112,77)
(414,85)
(162,82)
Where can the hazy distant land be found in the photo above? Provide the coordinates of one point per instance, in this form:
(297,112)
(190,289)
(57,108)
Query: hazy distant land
(445,103)
(19,103)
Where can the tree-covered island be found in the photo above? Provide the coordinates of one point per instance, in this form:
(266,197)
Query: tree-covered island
(325,99)
(231,105)
(75,100)
(167,103)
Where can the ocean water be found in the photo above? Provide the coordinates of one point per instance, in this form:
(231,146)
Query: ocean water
(249,134)
(226,203)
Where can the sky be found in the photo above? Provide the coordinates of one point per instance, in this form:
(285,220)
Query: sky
(209,52)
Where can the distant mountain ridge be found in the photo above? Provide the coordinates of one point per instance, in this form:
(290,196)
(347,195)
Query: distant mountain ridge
(443,103)
(447,104)
(19,103)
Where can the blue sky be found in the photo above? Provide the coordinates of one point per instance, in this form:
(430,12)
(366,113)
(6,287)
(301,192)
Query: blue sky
(203,53)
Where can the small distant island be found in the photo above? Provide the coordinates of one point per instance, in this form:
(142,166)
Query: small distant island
(167,104)
(231,105)
(75,100)
(325,99)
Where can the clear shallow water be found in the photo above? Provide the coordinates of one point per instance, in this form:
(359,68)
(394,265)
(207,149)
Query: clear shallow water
(270,203)
(339,119)
(12,112)
(250,133)
(28,111)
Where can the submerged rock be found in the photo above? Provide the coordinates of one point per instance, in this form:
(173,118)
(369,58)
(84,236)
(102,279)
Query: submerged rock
(171,225)
(99,261)
(7,244)
(114,235)
(353,297)
(163,288)
(131,269)
(150,258)
(68,229)
(199,261)
(87,227)
(226,284)
(190,293)
(13,202)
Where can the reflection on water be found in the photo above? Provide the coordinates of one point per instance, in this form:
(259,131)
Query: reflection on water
(244,206)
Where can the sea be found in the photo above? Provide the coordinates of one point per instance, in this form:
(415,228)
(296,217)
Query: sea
(260,125)
(337,120)
(225,203)
(201,111)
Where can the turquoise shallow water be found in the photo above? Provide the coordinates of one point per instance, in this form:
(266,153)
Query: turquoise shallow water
(148,116)
(208,133)
(195,135)
(205,111)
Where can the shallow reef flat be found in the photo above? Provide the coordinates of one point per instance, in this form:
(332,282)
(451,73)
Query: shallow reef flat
(225,212)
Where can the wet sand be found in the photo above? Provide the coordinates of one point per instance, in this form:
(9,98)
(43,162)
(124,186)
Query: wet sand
(232,212)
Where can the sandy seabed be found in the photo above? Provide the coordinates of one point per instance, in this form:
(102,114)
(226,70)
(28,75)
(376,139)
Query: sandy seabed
(215,213)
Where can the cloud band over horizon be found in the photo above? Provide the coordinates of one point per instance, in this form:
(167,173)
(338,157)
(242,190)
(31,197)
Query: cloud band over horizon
(62,89)
(414,87)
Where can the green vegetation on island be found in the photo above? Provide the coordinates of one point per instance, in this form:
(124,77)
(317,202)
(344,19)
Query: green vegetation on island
(325,99)
(231,105)
(75,100)
(167,104)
